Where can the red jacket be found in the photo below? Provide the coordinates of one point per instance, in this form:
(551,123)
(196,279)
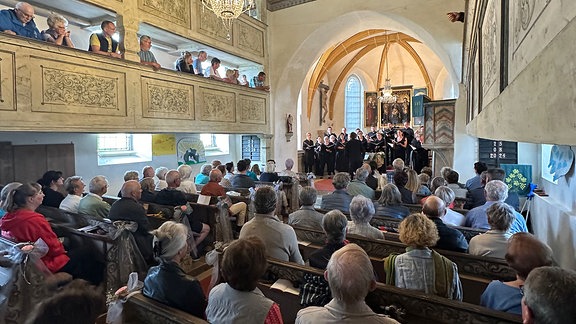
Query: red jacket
(28,226)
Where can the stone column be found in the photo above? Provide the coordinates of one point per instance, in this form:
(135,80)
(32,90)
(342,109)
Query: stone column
(128,25)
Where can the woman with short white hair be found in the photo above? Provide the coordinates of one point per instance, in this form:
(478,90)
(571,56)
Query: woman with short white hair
(361,212)
(186,184)
(57,32)
(167,282)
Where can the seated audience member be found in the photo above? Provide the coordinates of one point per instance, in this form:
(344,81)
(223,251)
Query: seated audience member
(92,204)
(269,174)
(451,217)
(225,183)
(23,224)
(289,164)
(255,172)
(496,191)
(146,56)
(204,176)
(214,189)
(147,172)
(76,303)
(449,238)
(372,178)
(56,32)
(413,184)
(215,163)
(548,293)
(167,282)
(241,179)
(230,76)
(437,182)
(358,186)
(351,277)
(427,170)
(398,165)
(214,65)
(103,43)
(148,194)
(197,63)
(421,268)
(494,242)
(499,174)
(128,209)
(452,178)
(184,63)
(279,238)
(258,82)
(6,190)
(475,181)
(334,226)
(424,185)
(161,175)
(129,175)
(229,170)
(238,299)
(400,180)
(340,198)
(361,212)
(252,172)
(445,171)
(19,21)
(187,185)
(475,197)
(75,188)
(524,253)
(171,196)
(390,203)
(307,216)
(51,183)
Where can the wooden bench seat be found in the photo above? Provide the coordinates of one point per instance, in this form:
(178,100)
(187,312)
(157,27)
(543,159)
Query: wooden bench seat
(418,307)
(140,309)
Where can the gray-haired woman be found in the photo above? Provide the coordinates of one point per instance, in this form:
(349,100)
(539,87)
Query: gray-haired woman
(167,282)
(57,32)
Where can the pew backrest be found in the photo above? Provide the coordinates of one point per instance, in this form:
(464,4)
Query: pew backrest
(143,310)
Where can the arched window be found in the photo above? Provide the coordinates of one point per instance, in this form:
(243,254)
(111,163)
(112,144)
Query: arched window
(353,103)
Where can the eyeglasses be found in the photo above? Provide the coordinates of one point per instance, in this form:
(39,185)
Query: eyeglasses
(26,15)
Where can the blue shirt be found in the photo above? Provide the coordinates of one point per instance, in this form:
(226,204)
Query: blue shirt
(474,182)
(477,218)
(202,179)
(9,21)
(501,297)
(2,212)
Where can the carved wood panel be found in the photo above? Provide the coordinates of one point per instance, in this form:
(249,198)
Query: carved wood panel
(175,11)
(490,42)
(7,94)
(212,26)
(165,99)
(250,39)
(252,110)
(76,89)
(217,105)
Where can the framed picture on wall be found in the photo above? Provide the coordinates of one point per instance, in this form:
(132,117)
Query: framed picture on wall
(401,111)
(370,108)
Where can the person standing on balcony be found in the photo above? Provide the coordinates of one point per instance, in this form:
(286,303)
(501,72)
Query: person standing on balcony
(103,43)
(258,82)
(57,32)
(197,63)
(19,21)
(146,56)
(214,74)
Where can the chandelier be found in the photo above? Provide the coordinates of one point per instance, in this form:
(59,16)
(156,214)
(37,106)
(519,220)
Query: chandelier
(386,94)
(228,10)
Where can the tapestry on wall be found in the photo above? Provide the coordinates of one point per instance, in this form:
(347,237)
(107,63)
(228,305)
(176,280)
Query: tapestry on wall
(518,177)
(163,144)
(561,159)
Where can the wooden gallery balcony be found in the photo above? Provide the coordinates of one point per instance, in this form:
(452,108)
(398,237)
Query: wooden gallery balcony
(50,88)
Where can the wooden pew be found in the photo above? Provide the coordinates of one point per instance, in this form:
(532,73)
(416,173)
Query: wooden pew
(478,266)
(143,310)
(416,306)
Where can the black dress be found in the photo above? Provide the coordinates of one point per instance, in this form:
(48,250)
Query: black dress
(330,157)
(308,147)
(341,163)
(399,150)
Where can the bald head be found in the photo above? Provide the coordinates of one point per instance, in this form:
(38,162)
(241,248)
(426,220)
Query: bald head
(131,189)
(434,207)
(215,175)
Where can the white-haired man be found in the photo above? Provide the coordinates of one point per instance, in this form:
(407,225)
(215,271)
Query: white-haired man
(92,204)
(350,276)
(19,21)
(495,191)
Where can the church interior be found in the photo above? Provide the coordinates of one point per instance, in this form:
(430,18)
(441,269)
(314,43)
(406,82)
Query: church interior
(501,75)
